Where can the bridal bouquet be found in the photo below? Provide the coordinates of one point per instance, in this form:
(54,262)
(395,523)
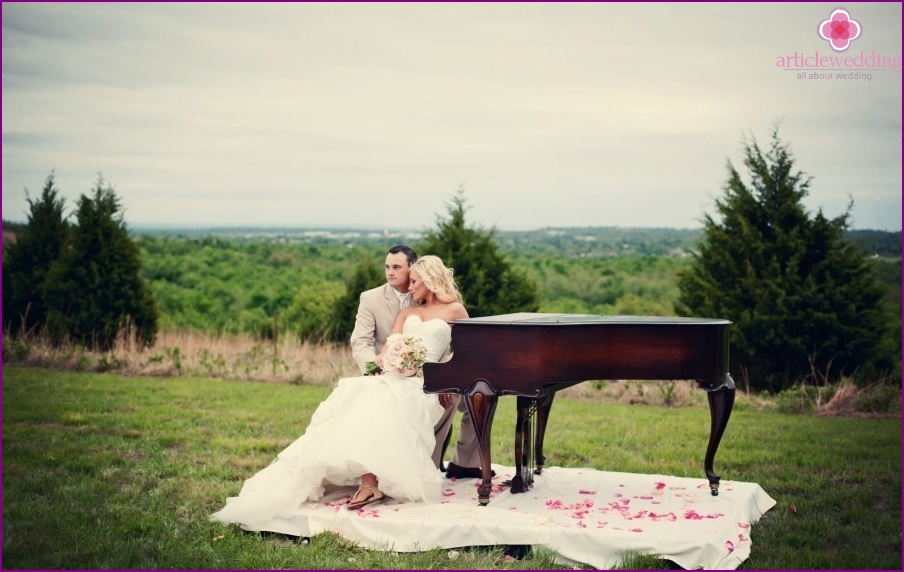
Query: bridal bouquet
(402,357)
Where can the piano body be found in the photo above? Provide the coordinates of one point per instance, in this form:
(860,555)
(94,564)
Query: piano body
(533,355)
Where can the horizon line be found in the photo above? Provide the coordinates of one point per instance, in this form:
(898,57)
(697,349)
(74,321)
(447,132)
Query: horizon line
(372,227)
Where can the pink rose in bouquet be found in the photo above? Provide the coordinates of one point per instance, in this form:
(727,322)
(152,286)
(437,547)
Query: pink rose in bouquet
(404,356)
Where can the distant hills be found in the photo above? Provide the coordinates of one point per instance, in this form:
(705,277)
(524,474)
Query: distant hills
(566,241)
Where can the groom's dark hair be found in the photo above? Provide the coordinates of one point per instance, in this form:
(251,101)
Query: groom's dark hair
(409,254)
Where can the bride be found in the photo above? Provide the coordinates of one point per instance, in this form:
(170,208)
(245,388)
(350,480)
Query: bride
(375,432)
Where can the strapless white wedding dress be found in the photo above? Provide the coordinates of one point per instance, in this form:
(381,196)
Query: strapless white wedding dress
(370,424)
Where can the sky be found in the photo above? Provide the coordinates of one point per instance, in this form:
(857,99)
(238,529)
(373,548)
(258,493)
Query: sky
(377,114)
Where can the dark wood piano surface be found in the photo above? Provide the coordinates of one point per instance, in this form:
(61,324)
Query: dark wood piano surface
(533,355)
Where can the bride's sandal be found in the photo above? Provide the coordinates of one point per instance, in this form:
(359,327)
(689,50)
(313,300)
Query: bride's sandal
(375,495)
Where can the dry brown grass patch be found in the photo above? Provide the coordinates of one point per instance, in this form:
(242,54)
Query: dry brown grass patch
(668,393)
(180,353)
(845,401)
(678,393)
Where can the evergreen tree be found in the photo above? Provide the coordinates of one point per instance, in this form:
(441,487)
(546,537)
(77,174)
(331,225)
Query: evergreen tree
(367,275)
(27,261)
(488,283)
(802,299)
(95,290)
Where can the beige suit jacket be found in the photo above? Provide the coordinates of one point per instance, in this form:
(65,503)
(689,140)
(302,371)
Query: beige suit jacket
(377,311)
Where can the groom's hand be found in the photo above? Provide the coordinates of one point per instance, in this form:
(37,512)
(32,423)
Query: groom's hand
(446,400)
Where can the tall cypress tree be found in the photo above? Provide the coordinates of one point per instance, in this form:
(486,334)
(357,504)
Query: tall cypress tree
(95,290)
(27,261)
(803,300)
(488,283)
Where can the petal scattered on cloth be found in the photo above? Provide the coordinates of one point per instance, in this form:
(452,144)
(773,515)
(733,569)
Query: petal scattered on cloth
(583,516)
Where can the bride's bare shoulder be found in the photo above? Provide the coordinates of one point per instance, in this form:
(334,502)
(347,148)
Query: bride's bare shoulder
(456,311)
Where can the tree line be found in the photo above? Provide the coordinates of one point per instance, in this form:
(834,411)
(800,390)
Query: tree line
(77,283)
(807,301)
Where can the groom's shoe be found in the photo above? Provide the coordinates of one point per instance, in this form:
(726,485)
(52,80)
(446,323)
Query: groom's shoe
(453,471)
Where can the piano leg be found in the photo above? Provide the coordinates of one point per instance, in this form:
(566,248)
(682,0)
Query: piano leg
(523,477)
(544,406)
(481,404)
(721,402)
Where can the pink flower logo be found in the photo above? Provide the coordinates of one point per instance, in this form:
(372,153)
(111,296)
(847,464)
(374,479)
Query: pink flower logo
(839,30)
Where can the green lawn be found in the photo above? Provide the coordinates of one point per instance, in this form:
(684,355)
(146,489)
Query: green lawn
(102,471)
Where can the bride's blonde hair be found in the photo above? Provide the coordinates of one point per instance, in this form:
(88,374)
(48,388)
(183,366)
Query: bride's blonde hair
(437,278)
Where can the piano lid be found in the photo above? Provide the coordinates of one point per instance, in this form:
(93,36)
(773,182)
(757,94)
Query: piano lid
(544,319)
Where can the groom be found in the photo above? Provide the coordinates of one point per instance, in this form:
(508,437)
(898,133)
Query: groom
(377,311)
(378,307)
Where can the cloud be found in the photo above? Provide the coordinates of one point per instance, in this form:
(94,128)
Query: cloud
(549,114)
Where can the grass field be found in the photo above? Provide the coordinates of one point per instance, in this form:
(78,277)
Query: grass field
(110,472)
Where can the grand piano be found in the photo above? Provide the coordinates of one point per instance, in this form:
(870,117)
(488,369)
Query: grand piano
(534,355)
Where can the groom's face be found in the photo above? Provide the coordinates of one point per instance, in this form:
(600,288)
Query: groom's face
(397,269)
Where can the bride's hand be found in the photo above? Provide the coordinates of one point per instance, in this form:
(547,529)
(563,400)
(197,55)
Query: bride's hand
(446,400)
